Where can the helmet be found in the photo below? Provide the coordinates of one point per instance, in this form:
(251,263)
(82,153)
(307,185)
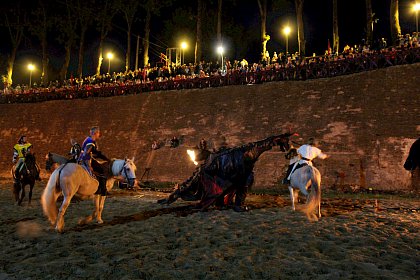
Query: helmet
(312,141)
(21,139)
(94,129)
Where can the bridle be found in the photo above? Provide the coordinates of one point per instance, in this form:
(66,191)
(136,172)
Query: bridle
(124,169)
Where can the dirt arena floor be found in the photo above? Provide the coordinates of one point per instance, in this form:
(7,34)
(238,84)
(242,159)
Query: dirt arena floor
(355,239)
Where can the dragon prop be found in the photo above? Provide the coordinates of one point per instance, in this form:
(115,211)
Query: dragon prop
(226,174)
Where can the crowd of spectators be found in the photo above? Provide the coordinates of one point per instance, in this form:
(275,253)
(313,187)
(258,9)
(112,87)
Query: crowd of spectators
(279,67)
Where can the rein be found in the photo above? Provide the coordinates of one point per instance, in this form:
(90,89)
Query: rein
(123,169)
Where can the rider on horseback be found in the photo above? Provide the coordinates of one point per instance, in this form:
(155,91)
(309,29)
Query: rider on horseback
(20,150)
(91,152)
(307,153)
(74,151)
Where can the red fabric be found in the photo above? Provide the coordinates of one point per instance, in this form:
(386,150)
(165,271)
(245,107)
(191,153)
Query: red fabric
(211,191)
(228,200)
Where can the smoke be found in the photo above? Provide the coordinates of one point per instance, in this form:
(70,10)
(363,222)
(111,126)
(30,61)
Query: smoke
(28,230)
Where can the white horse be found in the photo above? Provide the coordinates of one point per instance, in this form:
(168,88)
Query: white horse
(70,179)
(301,179)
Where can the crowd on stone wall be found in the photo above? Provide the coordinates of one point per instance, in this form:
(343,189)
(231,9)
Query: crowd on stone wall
(203,75)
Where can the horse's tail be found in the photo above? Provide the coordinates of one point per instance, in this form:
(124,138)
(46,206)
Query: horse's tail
(315,196)
(49,197)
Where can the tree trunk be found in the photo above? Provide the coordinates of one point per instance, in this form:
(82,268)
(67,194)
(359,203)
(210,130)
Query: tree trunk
(336,39)
(197,51)
(81,52)
(63,72)
(146,38)
(262,4)
(219,22)
(10,64)
(16,34)
(301,33)
(369,22)
(128,54)
(395,22)
(44,43)
(44,74)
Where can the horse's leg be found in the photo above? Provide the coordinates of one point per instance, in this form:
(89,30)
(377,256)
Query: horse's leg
(60,219)
(31,186)
(16,191)
(292,197)
(22,194)
(100,209)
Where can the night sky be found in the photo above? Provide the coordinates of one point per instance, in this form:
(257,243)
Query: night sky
(240,34)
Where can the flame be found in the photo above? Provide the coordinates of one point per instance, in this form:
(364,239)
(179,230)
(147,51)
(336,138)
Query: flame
(191,153)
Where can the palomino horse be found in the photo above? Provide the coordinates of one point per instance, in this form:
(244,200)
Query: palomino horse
(28,175)
(301,179)
(70,179)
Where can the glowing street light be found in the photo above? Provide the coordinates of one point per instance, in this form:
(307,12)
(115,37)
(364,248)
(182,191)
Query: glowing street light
(183,48)
(416,8)
(31,68)
(220,50)
(110,56)
(286,32)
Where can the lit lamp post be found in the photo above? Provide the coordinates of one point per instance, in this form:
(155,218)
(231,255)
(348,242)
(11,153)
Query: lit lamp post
(220,50)
(31,68)
(183,48)
(286,32)
(416,8)
(110,56)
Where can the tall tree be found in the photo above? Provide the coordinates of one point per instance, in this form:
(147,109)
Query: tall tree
(84,12)
(301,33)
(262,5)
(129,9)
(197,50)
(107,10)
(395,22)
(66,24)
(152,7)
(336,39)
(15,20)
(40,24)
(369,22)
(219,21)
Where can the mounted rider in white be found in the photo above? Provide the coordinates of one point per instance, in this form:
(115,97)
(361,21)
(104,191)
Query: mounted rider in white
(307,153)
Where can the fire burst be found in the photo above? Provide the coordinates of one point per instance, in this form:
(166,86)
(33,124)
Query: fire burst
(191,153)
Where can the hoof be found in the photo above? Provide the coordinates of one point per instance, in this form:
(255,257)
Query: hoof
(59,230)
(84,221)
(100,221)
(162,201)
(240,209)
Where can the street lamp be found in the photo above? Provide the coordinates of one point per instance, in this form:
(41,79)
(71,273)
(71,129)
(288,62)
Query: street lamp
(286,32)
(183,47)
(31,68)
(110,56)
(220,50)
(416,8)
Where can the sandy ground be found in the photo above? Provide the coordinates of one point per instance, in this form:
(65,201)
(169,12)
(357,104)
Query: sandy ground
(143,240)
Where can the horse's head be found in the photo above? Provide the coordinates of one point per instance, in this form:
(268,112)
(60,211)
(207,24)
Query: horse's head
(129,172)
(282,141)
(30,160)
(48,162)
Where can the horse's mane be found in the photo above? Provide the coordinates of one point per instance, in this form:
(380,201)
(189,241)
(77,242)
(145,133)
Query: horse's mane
(248,146)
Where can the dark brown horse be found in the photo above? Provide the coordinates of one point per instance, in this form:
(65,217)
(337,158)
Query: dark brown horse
(27,176)
(226,172)
(413,159)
